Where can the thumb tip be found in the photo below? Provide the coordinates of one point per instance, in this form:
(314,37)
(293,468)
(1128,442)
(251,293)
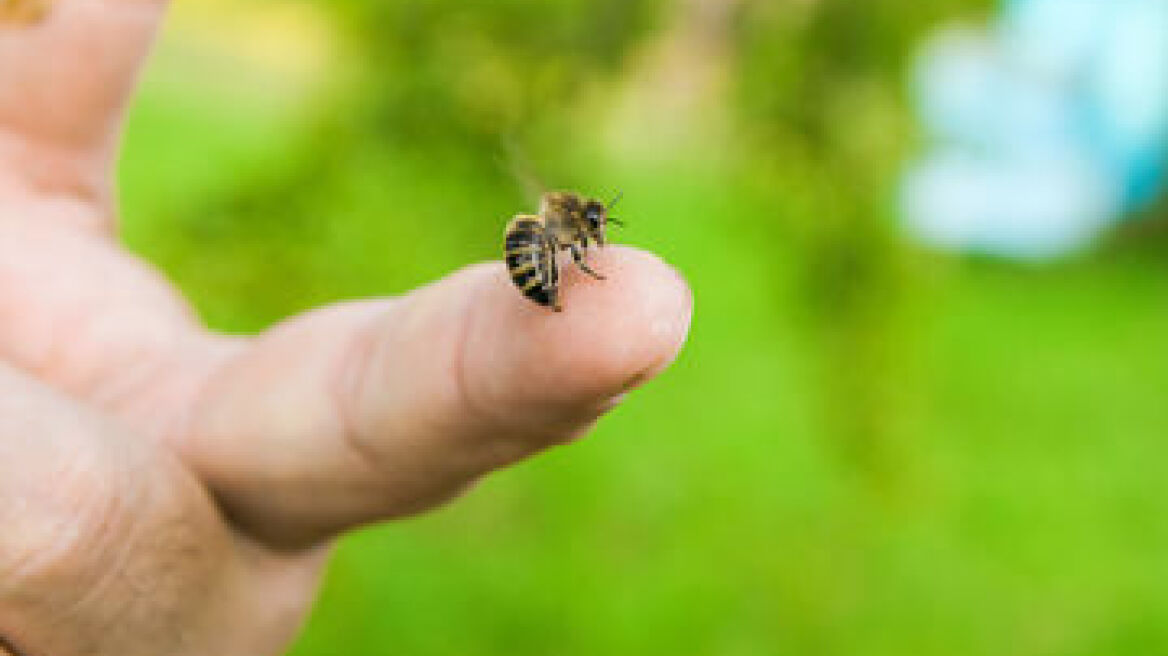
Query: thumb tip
(612,336)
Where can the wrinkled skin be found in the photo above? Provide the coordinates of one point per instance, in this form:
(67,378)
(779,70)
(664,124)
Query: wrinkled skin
(167,490)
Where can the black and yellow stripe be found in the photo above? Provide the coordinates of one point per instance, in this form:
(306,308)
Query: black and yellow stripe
(528,263)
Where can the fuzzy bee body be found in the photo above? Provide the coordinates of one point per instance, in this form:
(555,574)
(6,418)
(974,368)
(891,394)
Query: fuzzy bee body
(531,261)
(566,221)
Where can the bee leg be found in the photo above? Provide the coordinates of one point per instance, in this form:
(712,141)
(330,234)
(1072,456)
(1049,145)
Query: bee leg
(578,256)
(551,276)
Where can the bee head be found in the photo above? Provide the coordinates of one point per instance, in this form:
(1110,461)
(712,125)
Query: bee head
(597,218)
(596,214)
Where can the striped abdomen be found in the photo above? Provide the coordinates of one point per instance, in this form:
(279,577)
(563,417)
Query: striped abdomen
(531,261)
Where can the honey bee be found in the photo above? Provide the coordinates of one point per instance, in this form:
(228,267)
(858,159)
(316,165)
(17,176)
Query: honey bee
(566,221)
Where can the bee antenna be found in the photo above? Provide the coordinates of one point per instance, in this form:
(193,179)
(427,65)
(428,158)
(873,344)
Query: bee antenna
(612,203)
(616,221)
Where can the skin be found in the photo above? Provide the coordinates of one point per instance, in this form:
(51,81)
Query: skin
(168,490)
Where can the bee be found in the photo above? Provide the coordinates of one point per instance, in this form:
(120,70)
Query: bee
(566,221)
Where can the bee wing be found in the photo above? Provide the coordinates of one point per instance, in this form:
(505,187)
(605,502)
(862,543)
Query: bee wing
(516,163)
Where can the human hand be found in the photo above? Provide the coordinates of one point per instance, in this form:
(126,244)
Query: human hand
(167,490)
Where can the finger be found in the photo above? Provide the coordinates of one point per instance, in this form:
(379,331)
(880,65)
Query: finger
(109,546)
(64,83)
(375,410)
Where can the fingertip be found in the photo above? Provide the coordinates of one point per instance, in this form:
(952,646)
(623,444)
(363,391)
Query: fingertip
(635,323)
(611,336)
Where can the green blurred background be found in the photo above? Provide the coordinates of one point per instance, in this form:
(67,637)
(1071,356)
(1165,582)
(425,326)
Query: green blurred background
(865,449)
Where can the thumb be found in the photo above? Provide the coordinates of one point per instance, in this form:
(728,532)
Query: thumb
(374,410)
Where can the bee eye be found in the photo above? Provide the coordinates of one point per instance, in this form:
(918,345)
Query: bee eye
(595,217)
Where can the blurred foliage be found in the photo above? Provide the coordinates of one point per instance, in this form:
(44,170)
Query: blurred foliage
(863,450)
(444,71)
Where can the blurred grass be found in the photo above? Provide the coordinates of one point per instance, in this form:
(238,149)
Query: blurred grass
(864,450)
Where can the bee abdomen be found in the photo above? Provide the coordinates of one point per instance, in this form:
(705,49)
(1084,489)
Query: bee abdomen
(525,269)
(522,233)
(527,262)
